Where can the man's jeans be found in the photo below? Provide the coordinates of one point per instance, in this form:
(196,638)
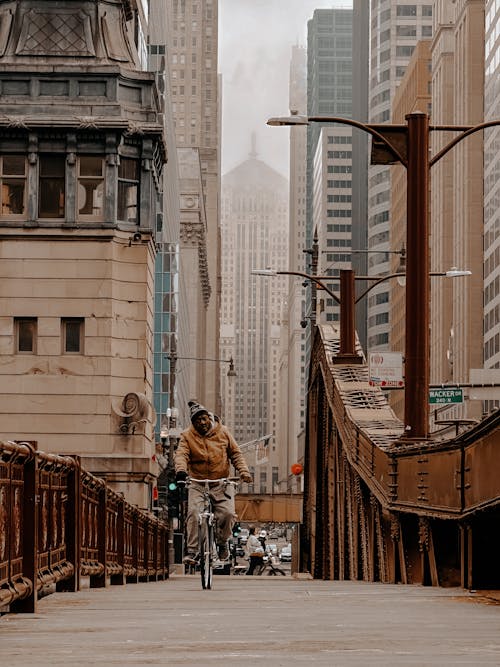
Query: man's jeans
(223,508)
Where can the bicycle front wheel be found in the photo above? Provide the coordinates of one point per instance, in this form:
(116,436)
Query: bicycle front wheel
(206,541)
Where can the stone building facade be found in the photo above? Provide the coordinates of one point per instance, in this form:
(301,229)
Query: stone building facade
(81,155)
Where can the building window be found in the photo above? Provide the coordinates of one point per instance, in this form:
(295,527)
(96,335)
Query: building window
(13,181)
(72,335)
(26,330)
(406,10)
(90,186)
(51,186)
(128,190)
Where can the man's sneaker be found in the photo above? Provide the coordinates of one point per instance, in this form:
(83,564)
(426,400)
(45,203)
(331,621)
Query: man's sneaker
(190,559)
(223,552)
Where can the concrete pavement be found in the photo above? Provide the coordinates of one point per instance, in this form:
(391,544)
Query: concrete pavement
(249,621)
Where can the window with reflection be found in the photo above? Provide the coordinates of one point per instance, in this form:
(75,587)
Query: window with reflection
(51,194)
(72,335)
(13,183)
(26,332)
(128,190)
(90,186)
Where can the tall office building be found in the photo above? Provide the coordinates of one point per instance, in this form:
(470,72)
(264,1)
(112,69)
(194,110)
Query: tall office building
(360,139)
(457,198)
(492,194)
(329,148)
(396,26)
(166,296)
(193,34)
(293,364)
(412,94)
(255,235)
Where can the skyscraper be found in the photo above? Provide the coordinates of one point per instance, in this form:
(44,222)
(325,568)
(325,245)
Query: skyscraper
(293,366)
(360,139)
(396,25)
(255,235)
(193,32)
(458,223)
(492,195)
(329,148)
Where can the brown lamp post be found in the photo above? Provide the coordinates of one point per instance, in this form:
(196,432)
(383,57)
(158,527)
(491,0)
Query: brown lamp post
(408,144)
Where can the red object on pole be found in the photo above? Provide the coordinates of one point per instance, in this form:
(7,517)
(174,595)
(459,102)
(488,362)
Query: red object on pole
(155,493)
(417,346)
(297,468)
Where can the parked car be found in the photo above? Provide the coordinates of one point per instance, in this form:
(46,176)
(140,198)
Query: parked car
(286,554)
(272,549)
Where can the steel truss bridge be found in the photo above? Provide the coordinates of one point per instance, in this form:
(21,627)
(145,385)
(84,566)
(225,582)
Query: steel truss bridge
(378,507)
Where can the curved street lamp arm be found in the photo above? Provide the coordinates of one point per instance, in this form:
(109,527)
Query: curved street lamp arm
(361,126)
(222,361)
(401,275)
(313,278)
(465,133)
(377,282)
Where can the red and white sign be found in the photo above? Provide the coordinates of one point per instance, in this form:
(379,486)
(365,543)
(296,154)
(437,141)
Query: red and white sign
(385,369)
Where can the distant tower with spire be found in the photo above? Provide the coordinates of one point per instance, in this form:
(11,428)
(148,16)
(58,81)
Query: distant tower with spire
(254,235)
(253,146)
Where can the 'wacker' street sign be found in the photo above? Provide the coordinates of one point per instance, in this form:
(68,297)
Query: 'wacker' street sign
(455,395)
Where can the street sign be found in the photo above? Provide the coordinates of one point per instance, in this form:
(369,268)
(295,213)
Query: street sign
(386,369)
(485,384)
(446,395)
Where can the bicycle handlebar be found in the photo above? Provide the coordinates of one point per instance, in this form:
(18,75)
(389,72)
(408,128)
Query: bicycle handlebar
(226,480)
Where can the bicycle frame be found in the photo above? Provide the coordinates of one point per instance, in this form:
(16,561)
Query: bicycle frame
(207,527)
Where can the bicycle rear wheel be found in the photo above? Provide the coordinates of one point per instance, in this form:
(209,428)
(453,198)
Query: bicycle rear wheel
(206,541)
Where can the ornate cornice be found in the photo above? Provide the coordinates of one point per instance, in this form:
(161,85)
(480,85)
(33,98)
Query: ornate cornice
(192,234)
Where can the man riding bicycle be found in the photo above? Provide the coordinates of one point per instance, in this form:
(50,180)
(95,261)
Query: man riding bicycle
(206,450)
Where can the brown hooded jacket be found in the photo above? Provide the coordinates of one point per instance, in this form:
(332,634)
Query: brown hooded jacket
(209,456)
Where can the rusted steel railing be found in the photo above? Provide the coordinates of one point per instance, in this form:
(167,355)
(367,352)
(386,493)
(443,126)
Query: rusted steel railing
(379,506)
(59,523)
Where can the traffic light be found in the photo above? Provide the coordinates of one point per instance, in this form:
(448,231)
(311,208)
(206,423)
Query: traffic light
(236,530)
(173,496)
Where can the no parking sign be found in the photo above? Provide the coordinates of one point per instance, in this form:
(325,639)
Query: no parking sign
(386,369)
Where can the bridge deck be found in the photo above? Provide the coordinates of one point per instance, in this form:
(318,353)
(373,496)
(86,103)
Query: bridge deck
(244,621)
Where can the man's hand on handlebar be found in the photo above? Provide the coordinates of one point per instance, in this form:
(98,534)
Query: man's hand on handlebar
(181,476)
(246,477)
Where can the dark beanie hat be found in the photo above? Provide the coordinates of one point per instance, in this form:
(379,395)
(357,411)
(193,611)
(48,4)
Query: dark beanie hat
(195,408)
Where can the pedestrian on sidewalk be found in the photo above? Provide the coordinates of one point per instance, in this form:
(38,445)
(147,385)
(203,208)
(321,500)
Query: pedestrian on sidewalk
(206,450)
(255,551)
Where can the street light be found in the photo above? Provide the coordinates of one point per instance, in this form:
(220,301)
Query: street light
(348,300)
(408,144)
(230,373)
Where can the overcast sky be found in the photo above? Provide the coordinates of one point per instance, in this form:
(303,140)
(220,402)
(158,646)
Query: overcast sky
(255,40)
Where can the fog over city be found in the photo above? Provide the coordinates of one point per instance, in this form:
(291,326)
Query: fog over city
(255,40)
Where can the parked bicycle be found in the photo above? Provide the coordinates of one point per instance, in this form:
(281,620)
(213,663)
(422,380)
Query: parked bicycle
(207,527)
(270,566)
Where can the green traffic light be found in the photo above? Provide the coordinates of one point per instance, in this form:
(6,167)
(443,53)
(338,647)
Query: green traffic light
(172,486)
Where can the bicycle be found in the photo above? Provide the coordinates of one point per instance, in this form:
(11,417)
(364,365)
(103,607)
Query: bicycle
(268,564)
(207,546)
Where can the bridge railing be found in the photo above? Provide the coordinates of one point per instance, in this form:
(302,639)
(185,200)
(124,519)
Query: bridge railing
(59,523)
